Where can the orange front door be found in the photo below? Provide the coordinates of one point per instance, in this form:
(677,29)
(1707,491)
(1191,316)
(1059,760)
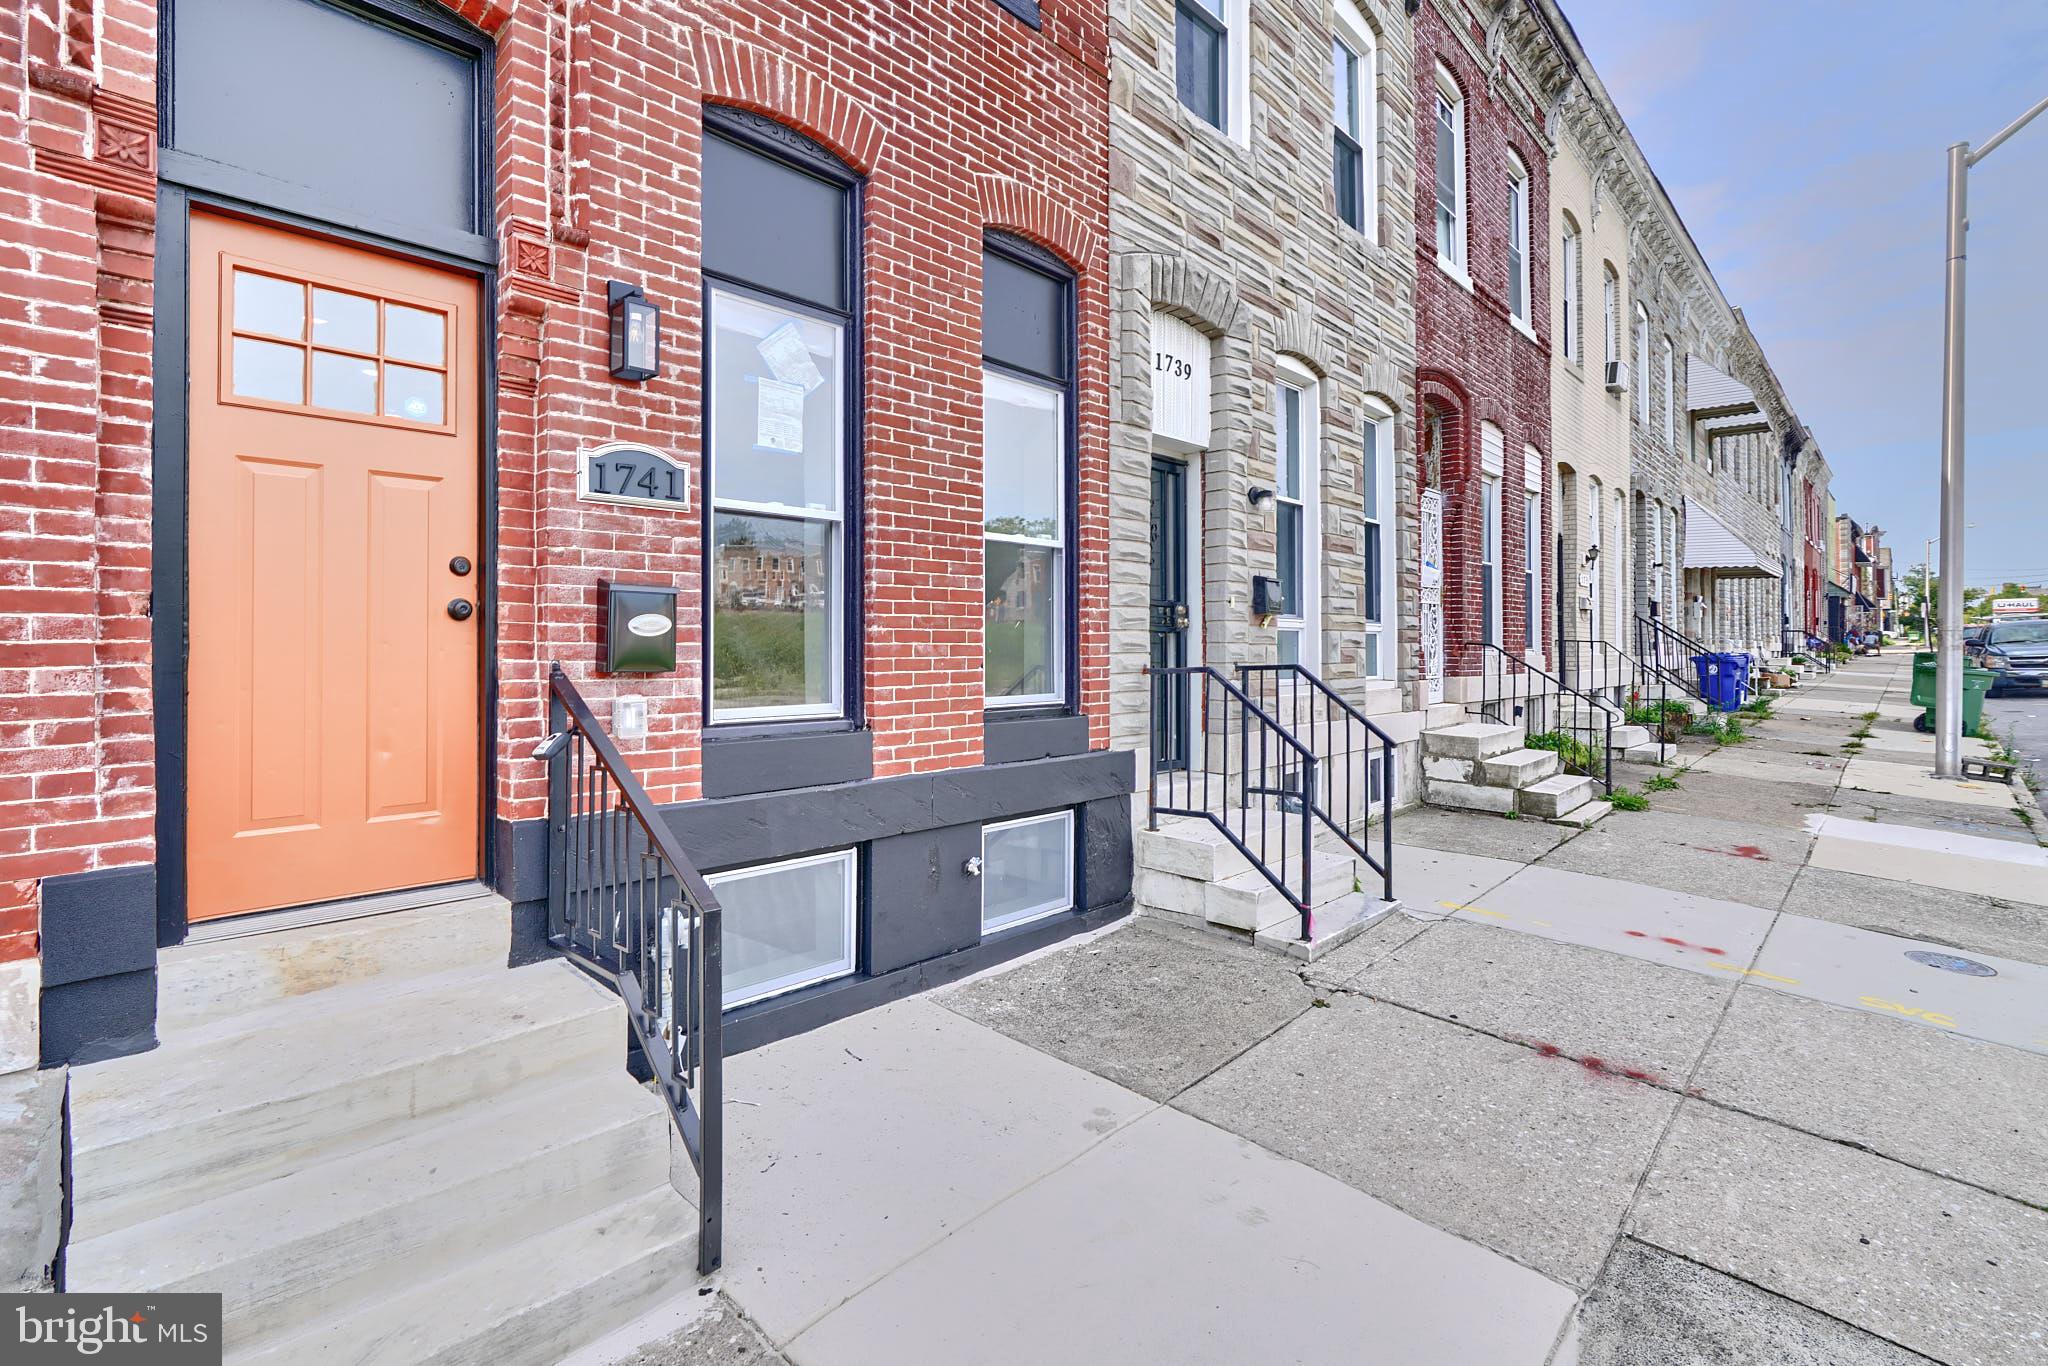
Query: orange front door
(333,670)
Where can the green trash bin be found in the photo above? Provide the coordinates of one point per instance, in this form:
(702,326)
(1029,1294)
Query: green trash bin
(1976,683)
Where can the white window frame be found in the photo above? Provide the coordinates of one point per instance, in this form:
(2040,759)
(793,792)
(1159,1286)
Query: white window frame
(1377,424)
(1491,630)
(1570,320)
(1520,273)
(1610,307)
(1305,626)
(1618,559)
(1670,395)
(1451,99)
(1596,520)
(1533,549)
(1056,667)
(1357,35)
(1643,363)
(1065,819)
(834,517)
(847,965)
(1236,74)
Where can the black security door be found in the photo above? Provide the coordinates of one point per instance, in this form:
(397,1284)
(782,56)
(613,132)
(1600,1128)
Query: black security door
(1169,612)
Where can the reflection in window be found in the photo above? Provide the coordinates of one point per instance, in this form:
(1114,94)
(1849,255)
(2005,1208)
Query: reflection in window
(1023,492)
(1027,869)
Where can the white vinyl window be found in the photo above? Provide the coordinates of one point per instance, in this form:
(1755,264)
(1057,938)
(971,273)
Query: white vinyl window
(1594,554)
(1024,461)
(1354,120)
(1643,365)
(1377,484)
(777,423)
(1610,314)
(1296,524)
(1450,174)
(1489,559)
(1570,304)
(788,924)
(1670,396)
(1027,869)
(1614,571)
(1518,241)
(1210,73)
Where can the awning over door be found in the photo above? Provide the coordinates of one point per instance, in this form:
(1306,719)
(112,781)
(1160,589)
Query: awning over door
(1835,590)
(1709,544)
(1721,404)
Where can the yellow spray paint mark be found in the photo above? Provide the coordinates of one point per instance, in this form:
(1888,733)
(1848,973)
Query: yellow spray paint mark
(1475,910)
(1753,972)
(1910,1012)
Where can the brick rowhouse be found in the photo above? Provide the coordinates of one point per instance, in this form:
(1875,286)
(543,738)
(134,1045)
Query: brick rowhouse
(958,119)
(1474,366)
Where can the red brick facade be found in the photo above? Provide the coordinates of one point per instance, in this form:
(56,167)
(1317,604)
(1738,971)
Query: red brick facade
(961,119)
(1473,365)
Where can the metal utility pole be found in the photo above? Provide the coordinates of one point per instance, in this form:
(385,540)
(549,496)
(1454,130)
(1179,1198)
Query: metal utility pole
(1948,695)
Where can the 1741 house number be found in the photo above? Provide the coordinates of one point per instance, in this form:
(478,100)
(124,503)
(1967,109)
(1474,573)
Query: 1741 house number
(638,476)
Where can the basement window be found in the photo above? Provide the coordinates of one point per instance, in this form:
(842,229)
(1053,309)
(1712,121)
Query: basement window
(787,925)
(1027,870)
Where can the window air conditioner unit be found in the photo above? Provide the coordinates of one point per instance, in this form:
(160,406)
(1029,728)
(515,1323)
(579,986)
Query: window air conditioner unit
(1617,376)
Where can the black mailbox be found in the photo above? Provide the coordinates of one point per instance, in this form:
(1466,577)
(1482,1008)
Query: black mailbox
(639,628)
(1267,596)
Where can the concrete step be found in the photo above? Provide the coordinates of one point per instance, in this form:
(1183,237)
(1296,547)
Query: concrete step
(1584,816)
(1650,753)
(530,1303)
(1190,847)
(1553,797)
(361,1227)
(1519,767)
(1331,926)
(209,1113)
(1468,796)
(1628,737)
(200,983)
(1249,901)
(1471,740)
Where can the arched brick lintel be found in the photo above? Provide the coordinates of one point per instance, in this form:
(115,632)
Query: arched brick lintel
(788,91)
(1009,205)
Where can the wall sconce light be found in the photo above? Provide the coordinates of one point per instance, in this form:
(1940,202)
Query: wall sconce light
(636,333)
(1258,495)
(1592,553)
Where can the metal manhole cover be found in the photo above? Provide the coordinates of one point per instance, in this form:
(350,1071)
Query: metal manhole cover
(1948,962)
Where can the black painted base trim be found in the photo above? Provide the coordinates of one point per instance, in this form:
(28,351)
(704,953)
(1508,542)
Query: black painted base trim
(1014,739)
(736,767)
(799,1012)
(99,1018)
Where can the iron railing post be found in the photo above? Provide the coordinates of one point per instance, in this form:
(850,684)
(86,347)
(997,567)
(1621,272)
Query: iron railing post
(558,819)
(1308,848)
(711,1090)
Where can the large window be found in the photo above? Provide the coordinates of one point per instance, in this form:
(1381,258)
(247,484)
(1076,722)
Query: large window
(787,924)
(1027,869)
(1670,396)
(1532,563)
(1201,52)
(1450,174)
(777,268)
(1592,570)
(1610,314)
(1026,474)
(1570,303)
(1642,365)
(1518,241)
(1354,152)
(1377,485)
(1297,479)
(1489,558)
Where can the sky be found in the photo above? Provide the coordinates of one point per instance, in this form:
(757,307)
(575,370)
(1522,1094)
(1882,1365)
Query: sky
(1803,142)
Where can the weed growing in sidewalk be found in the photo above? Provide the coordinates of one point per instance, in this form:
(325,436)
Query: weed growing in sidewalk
(1732,732)
(1624,800)
(1575,753)
(1511,815)
(1759,707)
(1660,782)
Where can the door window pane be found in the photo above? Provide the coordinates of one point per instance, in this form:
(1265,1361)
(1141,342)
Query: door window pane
(776,416)
(268,370)
(786,925)
(414,334)
(345,383)
(1022,627)
(414,395)
(269,305)
(774,615)
(1027,869)
(346,321)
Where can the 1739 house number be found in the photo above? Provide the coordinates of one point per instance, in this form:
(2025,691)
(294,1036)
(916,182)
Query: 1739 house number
(1169,364)
(637,476)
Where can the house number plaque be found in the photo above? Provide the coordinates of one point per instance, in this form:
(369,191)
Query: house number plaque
(637,476)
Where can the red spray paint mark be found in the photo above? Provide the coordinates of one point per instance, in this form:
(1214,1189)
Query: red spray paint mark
(1598,1065)
(1748,851)
(1678,943)
(1636,934)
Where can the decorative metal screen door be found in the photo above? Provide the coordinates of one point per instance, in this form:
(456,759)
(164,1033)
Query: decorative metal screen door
(1433,594)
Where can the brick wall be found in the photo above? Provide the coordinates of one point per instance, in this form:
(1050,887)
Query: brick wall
(962,118)
(1474,365)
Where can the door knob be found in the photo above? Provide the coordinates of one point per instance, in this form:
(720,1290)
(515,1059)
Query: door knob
(460,608)
(459,566)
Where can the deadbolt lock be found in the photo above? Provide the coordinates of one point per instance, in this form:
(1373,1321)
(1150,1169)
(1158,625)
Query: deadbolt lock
(460,608)
(459,566)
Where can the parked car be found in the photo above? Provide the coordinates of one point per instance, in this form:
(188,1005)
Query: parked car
(2015,650)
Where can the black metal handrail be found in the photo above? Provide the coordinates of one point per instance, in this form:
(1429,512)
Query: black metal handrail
(1315,715)
(1591,665)
(1514,692)
(1669,652)
(626,903)
(1205,788)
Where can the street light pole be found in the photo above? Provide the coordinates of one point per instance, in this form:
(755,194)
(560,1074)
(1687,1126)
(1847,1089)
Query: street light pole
(1948,694)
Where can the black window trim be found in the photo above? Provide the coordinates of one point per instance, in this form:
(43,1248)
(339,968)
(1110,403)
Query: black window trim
(1030,255)
(1026,10)
(778,141)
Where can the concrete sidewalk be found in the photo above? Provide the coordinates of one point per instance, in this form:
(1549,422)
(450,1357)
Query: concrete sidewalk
(1697,1084)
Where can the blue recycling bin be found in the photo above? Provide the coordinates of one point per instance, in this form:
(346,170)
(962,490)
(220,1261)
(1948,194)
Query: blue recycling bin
(1720,679)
